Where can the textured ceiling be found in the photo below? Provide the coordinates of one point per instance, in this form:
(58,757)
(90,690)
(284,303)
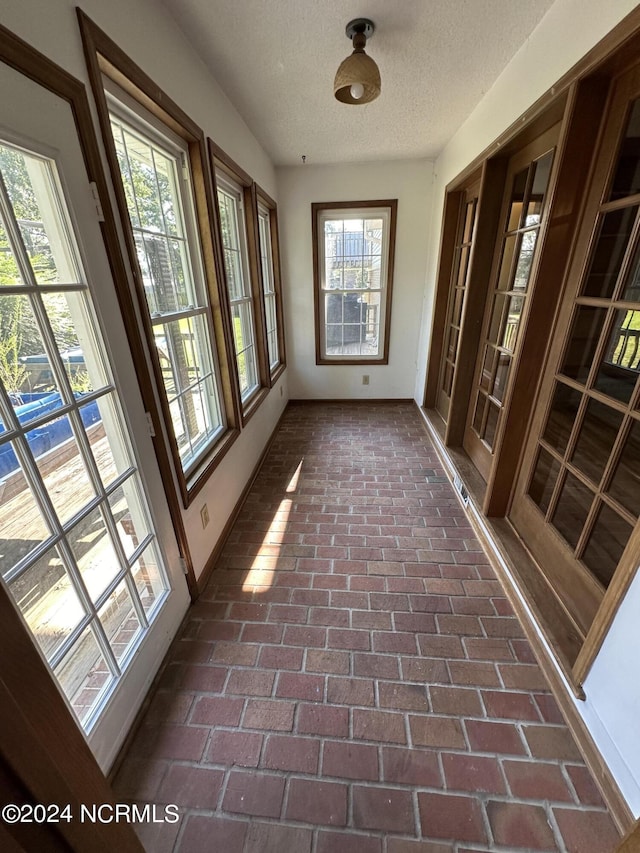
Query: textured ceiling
(276,60)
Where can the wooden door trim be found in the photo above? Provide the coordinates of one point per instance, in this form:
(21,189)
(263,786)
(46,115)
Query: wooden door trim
(483,458)
(566,203)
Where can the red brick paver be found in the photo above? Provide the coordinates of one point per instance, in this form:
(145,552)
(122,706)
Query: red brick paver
(353,679)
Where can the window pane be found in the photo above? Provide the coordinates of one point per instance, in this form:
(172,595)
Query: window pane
(184,349)
(502,376)
(508,249)
(625,484)
(478,414)
(48,601)
(160,209)
(491,425)
(525,260)
(627,177)
(606,543)
(509,335)
(488,366)
(9,271)
(22,526)
(245,351)
(597,434)
(544,479)
(61,466)
(94,553)
(562,416)
(621,363)
(128,516)
(149,579)
(542,170)
(29,182)
(70,322)
(583,341)
(120,621)
(352,271)
(615,231)
(105,438)
(572,509)
(26,366)
(84,675)
(517,199)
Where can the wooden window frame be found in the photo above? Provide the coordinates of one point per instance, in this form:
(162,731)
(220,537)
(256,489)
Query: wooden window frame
(266,201)
(106,60)
(318,208)
(222,164)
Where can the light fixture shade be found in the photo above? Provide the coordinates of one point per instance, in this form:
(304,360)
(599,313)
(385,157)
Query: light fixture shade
(357,68)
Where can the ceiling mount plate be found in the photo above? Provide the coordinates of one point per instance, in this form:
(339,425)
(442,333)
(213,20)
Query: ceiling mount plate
(360,25)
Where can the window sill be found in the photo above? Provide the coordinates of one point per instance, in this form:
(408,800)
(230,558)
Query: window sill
(194,483)
(253,404)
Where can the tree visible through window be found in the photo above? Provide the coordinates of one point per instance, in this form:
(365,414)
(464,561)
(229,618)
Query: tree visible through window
(77,548)
(155,178)
(353,275)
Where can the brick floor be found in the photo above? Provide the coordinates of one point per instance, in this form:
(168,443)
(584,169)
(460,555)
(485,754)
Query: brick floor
(353,678)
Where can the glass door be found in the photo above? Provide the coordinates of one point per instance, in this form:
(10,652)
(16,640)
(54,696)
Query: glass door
(81,555)
(578,496)
(522,215)
(457,294)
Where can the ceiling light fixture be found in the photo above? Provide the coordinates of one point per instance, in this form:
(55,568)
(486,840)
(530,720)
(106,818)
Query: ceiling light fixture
(358,78)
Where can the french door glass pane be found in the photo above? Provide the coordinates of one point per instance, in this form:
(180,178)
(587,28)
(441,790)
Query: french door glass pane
(61,469)
(541,173)
(584,337)
(27,180)
(85,676)
(22,525)
(49,602)
(148,577)
(625,483)
(545,474)
(517,199)
(615,230)
(572,508)
(63,445)
(606,543)
(597,434)
(620,365)
(562,416)
(627,177)
(9,272)
(120,621)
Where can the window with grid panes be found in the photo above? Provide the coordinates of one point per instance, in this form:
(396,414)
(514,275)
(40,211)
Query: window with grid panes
(154,167)
(354,246)
(268,285)
(236,263)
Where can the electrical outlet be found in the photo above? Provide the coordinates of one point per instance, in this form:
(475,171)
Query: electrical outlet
(204,515)
(365,379)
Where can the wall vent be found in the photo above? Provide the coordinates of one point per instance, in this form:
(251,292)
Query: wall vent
(458,485)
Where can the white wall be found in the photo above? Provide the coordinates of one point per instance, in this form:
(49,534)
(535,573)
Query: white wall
(565,34)
(153,40)
(411,183)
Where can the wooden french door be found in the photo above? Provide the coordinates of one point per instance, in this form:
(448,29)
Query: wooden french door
(522,217)
(457,293)
(577,499)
